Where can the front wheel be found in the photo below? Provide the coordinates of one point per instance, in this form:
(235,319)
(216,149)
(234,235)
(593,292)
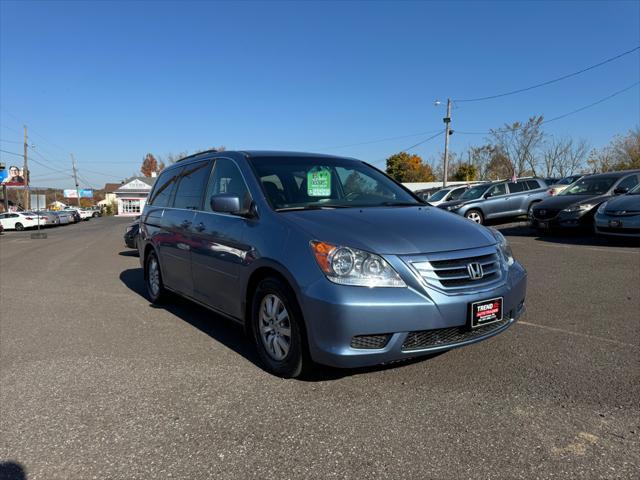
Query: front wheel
(19,226)
(475,216)
(153,279)
(276,324)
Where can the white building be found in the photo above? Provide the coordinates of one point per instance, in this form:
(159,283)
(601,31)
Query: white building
(132,195)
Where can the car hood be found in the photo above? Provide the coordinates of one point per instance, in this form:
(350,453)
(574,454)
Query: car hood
(453,203)
(561,202)
(392,230)
(624,202)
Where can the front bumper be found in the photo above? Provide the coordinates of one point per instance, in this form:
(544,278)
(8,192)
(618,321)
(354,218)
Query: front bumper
(617,226)
(335,314)
(569,220)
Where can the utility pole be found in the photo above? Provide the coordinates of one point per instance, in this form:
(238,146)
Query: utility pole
(75,177)
(25,171)
(447,132)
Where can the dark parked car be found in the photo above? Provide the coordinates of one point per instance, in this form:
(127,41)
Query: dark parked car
(576,205)
(426,193)
(498,199)
(620,216)
(324,259)
(131,234)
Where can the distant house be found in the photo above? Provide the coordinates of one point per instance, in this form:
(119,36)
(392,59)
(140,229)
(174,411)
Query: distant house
(132,194)
(109,195)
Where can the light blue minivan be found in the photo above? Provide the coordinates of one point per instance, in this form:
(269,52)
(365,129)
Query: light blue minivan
(324,259)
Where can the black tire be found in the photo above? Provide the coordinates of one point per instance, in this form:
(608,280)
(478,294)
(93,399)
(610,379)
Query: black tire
(296,361)
(95,215)
(530,211)
(475,215)
(19,227)
(159,294)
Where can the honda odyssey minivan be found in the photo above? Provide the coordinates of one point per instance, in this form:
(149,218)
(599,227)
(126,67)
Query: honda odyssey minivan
(324,259)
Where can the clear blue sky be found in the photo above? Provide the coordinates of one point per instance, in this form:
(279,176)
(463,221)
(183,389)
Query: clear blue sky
(112,81)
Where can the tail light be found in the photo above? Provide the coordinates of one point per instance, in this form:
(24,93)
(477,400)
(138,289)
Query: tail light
(29,218)
(551,191)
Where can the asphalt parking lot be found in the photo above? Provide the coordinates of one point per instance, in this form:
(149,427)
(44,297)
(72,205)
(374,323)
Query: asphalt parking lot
(97,383)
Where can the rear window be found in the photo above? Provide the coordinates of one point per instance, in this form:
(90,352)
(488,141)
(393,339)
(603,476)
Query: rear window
(515,187)
(161,194)
(191,186)
(533,184)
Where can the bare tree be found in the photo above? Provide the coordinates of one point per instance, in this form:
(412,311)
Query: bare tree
(520,142)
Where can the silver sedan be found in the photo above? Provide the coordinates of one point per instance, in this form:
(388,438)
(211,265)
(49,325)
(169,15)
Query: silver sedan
(620,216)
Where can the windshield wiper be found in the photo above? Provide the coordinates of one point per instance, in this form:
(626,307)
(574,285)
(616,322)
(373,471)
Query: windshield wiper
(311,207)
(401,204)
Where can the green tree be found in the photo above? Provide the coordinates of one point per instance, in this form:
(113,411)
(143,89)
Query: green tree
(405,167)
(466,172)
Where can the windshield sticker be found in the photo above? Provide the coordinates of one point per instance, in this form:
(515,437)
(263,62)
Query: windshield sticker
(319,183)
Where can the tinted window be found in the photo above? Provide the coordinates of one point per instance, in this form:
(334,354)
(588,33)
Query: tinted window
(590,186)
(532,184)
(628,182)
(164,187)
(497,190)
(227,179)
(515,187)
(456,193)
(191,184)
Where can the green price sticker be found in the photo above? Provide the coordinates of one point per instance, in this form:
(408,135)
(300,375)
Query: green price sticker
(319,183)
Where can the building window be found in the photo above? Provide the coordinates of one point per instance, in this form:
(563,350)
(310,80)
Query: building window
(130,206)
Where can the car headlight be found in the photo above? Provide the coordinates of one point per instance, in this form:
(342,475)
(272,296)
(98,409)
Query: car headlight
(503,245)
(350,266)
(451,208)
(602,208)
(583,207)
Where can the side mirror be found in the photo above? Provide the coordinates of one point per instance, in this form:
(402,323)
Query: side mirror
(620,191)
(487,195)
(229,203)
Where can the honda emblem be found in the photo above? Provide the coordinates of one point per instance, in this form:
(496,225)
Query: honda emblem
(475,271)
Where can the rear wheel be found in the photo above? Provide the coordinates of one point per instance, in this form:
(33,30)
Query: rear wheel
(19,226)
(277,330)
(475,216)
(153,279)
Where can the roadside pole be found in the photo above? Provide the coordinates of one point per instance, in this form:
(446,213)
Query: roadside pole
(447,132)
(75,177)
(25,171)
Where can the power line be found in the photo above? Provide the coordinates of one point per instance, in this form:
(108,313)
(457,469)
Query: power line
(559,117)
(368,142)
(549,82)
(12,153)
(413,146)
(11,141)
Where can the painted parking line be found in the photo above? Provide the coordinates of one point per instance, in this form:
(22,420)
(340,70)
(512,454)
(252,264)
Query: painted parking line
(579,334)
(629,250)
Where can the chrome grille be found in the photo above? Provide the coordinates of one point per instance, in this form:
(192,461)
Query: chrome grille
(447,336)
(451,272)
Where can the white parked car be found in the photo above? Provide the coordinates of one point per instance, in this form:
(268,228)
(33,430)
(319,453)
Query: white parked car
(84,214)
(17,221)
(448,194)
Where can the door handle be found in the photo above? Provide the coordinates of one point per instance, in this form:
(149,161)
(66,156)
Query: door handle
(185,224)
(200,227)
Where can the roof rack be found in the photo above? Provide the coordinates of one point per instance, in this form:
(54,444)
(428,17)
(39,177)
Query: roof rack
(193,155)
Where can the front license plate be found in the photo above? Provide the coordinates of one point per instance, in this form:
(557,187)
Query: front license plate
(485,312)
(543,224)
(615,223)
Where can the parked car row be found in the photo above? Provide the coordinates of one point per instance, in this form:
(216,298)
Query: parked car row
(608,203)
(43,218)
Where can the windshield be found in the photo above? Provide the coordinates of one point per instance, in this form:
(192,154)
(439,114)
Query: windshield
(590,186)
(566,181)
(307,183)
(439,195)
(475,192)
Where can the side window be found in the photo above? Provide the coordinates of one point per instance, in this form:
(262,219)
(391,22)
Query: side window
(515,187)
(455,195)
(163,188)
(497,190)
(533,184)
(628,182)
(191,184)
(226,179)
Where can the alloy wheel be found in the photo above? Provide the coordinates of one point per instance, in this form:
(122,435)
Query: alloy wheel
(275,327)
(153,277)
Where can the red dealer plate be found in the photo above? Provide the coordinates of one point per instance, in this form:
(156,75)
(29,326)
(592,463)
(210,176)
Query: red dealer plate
(486,311)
